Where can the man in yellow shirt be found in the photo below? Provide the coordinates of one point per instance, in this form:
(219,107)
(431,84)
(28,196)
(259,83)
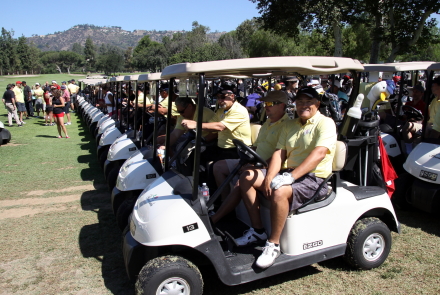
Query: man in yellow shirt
(39,101)
(307,145)
(19,100)
(73,90)
(230,121)
(275,103)
(433,127)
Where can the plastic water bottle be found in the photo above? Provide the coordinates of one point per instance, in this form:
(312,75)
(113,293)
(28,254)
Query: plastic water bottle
(205,192)
(352,117)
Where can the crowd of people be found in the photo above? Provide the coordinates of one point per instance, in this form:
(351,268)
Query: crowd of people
(52,100)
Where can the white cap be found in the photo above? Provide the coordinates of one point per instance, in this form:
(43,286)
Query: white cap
(37,84)
(54,82)
(314,82)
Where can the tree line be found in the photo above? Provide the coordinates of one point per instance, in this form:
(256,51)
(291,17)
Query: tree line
(382,31)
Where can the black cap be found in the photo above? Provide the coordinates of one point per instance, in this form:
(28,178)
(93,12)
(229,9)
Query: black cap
(309,91)
(23,82)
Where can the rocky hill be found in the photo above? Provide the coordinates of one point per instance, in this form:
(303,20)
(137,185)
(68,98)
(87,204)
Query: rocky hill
(100,35)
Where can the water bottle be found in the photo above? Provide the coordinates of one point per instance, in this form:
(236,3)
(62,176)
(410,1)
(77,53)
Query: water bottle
(352,117)
(205,192)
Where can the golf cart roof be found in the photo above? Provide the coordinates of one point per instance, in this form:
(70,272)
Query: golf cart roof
(398,66)
(149,77)
(118,79)
(275,66)
(434,67)
(92,81)
(131,78)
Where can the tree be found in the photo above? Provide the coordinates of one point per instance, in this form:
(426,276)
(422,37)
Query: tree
(128,59)
(230,44)
(110,59)
(70,59)
(77,48)
(8,55)
(90,52)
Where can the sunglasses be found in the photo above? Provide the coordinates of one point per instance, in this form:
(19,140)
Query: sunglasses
(271,103)
(182,111)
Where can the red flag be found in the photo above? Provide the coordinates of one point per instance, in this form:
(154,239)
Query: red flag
(389,175)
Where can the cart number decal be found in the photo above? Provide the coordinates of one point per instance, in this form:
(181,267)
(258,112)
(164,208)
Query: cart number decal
(312,245)
(191,227)
(149,176)
(428,175)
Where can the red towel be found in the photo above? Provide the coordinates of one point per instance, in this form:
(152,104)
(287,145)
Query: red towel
(389,175)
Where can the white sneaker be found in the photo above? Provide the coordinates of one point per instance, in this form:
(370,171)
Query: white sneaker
(250,236)
(270,253)
(22,122)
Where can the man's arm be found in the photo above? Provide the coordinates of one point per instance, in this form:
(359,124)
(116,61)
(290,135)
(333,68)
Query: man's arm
(211,126)
(278,157)
(311,162)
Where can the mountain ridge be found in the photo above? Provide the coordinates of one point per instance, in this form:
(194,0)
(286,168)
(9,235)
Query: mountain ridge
(113,35)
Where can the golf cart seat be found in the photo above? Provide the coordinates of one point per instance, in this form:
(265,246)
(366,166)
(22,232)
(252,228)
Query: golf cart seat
(317,202)
(255,129)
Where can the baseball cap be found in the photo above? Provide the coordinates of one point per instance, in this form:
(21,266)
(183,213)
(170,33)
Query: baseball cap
(308,91)
(276,96)
(419,88)
(64,82)
(37,84)
(291,79)
(23,82)
(54,82)
(18,82)
(63,86)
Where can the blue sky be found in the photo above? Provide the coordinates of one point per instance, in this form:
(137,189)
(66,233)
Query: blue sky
(52,16)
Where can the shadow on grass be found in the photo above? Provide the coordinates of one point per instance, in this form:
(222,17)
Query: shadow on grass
(102,241)
(46,136)
(417,219)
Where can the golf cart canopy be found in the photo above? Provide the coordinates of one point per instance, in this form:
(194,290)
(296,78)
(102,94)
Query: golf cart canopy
(434,67)
(92,81)
(149,77)
(398,66)
(266,66)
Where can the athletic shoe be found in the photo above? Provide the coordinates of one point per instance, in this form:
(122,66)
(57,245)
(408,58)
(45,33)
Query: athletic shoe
(21,125)
(11,125)
(67,136)
(52,124)
(59,136)
(46,124)
(250,236)
(270,253)
(22,122)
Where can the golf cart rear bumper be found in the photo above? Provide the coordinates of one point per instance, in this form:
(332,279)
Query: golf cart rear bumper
(425,196)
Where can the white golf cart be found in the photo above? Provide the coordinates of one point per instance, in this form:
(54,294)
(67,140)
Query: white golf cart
(420,187)
(125,146)
(170,234)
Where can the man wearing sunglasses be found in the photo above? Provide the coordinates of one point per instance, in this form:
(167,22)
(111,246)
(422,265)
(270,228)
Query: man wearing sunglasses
(230,121)
(306,146)
(275,103)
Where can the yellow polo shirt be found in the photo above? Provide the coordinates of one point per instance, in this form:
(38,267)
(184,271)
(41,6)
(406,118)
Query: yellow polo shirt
(236,121)
(300,140)
(73,89)
(268,136)
(434,114)
(39,93)
(207,115)
(19,96)
(174,112)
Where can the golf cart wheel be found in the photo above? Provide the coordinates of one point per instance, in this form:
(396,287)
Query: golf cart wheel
(169,275)
(112,177)
(102,159)
(124,212)
(368,244)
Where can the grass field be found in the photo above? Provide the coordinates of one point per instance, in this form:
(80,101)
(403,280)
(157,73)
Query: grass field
(59,236)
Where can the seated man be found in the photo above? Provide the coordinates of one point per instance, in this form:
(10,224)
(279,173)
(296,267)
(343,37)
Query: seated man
(230,121)
(433,127)
(275,104)
(307,144)
(411,131)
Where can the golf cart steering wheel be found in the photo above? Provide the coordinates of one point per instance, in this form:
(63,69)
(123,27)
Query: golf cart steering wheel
(412,113)
(248,154)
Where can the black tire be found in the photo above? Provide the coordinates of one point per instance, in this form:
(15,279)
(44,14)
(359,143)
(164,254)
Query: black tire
(112,177)
(368,244)
(403,186)
(172,269)
(124,211)
(5,136)
(102,158)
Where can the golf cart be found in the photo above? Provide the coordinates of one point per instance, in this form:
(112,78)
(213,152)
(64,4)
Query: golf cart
(170,234)
(420,187)
(5,135)
(125,146)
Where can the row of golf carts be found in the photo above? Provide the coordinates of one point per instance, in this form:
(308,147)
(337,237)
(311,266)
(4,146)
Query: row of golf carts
(167,234)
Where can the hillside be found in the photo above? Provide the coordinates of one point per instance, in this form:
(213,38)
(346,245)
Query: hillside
(107,35)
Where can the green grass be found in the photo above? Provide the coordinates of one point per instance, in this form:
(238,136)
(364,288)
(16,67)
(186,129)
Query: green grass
(59,235)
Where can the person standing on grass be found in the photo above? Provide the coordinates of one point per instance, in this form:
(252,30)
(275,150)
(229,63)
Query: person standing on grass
(58,111)
(49,108)
(39,102)
(66,96)
(19,100)
(73,89)
(27,92)
(9,101)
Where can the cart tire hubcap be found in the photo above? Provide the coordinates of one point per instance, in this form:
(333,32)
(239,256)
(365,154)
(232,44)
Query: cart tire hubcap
(373,247)
(174,286)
